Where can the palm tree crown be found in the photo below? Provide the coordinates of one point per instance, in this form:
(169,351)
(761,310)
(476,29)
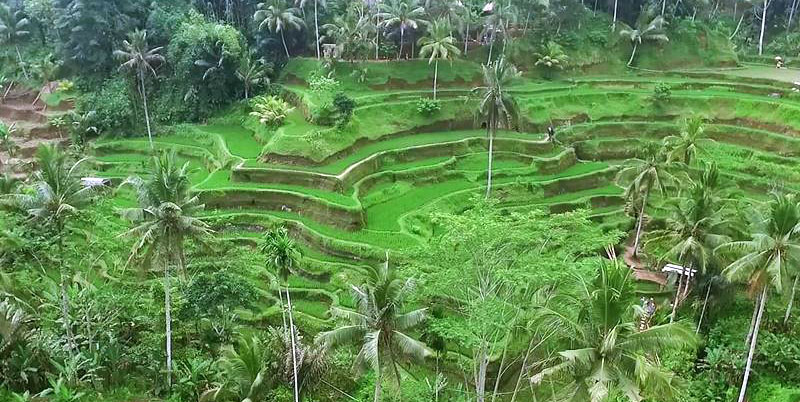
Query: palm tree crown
(651,30)
(609,352)
(281,251)
(278,17)
(380,324)
(403,15)
(689,143)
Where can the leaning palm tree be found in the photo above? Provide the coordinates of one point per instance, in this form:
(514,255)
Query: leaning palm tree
(402,14)
(696,225)
(380,324)
(13,29)
(607,350)
(137,56)
(283,255)
(689,143)
(768,260)
(497,108)
(252,73)
(644,175)
(56,197)
(163,221)
(278,17)
(438,45)
(652,30)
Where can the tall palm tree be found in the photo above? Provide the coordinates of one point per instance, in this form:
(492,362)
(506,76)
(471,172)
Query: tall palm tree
(696,225)
(278,17)
(317,3)
(652,30)
(608,351)
(689,143)
(644,175)
(163,221)
(380,324)
(497,108)
(768,260)
(14,29)
(252,73)
(439,44)
(497,22)
(56,197)
(402,14)
(137,56)
(284,256)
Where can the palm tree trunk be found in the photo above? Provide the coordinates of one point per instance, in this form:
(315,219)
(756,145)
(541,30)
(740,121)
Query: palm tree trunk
(675,300)
(63,279)
(146,112)
(752,323)
(435,76)
(21,63)
(739,25)
(633,53)
(753,342)
(316,26)
(791,301)
(614,21)
(377,36)
(466,38)
(377,397)
(763,25)
(168,323)
(480,381)
(792,10)
(639,225)
(490,130)
(402,34)
(283,309)
(285,48)
(703,311)
(491,45)
(294,347)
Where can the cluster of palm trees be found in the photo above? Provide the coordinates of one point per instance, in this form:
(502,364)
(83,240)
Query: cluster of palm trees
(706,235)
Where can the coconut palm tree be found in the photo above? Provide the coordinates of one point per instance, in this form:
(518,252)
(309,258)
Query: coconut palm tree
(439,44)
(13,30)
(652,30)
(497,108)
(768,260)
(689,143)
(317,3)
(644,175)
(278,17)
(607,350)
(695,227)
(163,221)
(380,324)
(284,256)
(137,56)
(497,21)
(252,73)
(56,197)
(246,370)
(403,15)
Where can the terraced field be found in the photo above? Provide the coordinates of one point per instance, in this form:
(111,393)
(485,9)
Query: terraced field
(352,196)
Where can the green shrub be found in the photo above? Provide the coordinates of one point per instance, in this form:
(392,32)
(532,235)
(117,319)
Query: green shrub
(662,92)
(113,107)
(428,107)
(270,110)
(344,106)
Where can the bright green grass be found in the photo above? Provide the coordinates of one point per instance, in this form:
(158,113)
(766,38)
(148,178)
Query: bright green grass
(479,161)
(239,140)
(386,215)
(339,165)
(220,180)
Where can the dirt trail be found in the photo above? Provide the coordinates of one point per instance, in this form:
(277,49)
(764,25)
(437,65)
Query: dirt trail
(31,128)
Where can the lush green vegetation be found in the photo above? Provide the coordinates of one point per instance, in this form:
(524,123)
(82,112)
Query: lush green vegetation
(398,201)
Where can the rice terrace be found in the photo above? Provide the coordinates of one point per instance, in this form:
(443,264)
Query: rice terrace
(399,200)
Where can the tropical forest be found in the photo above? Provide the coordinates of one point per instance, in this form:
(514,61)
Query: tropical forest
(399,200)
